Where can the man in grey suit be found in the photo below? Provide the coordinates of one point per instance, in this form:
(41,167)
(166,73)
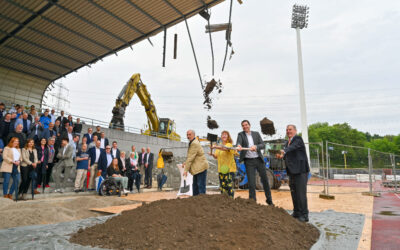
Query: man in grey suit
(65,162)
(253,160)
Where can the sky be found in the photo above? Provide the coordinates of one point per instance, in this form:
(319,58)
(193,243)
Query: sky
(350,58)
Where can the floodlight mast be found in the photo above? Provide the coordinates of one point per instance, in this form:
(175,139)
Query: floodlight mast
(300,21)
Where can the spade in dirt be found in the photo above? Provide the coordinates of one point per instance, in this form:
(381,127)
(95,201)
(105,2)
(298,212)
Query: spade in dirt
(185,187)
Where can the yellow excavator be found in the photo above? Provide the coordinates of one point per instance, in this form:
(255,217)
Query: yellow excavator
(159,127)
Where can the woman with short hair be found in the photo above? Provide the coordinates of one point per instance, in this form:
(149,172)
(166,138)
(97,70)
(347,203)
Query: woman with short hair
(28,165)
(10,166)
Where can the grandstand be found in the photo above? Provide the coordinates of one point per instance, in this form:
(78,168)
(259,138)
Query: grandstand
(44,40)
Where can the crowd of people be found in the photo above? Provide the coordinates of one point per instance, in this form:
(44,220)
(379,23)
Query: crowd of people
(37,147)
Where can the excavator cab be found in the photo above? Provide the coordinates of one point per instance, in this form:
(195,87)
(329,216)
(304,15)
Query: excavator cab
(167,129)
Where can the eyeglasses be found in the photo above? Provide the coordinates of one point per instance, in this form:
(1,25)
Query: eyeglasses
(108,148)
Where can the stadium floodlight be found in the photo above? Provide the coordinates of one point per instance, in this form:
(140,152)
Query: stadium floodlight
(300,16)
(300,21)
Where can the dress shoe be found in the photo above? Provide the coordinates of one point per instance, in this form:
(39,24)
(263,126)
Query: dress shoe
(149,187)
(302,219)
(270,203)
(5,196)
(294,215)
(36,192)
(9,196)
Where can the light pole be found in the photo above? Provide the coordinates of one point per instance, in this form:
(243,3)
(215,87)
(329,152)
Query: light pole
(300,21)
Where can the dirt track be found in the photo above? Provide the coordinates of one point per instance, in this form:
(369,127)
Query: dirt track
(52,210)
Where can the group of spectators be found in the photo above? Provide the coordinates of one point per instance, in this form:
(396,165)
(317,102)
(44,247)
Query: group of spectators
(35,147)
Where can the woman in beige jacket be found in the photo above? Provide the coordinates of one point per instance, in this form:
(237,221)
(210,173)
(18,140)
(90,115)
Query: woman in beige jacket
(10,166)
(28,165)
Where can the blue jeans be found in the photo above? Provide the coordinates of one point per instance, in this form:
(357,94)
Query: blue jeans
(199,183)
(15,176)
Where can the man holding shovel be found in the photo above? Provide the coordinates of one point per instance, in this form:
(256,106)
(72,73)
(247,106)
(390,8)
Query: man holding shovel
(196,164)
(249,144)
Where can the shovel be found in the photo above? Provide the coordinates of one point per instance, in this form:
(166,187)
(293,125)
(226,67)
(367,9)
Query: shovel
(185,187)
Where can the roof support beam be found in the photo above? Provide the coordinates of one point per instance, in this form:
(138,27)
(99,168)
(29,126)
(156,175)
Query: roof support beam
(44,48)
(24,72)
(30,65)
(62,26)
(151,33)
(26,22)
(190,38)
(144,12)
(38,57)
(88,22)
(119,19)
(49,36)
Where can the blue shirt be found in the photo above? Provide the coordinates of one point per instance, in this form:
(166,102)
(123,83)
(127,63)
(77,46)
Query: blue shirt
(45,121)
(83,164)
(109,159)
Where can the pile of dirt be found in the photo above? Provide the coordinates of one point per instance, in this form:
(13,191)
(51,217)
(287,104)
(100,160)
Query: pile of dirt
(212,124)
(201,222)
(53,210)
(267,126)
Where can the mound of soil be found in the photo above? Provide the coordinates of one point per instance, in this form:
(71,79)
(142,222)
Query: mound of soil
(267,126)
(212,124)
(201,222)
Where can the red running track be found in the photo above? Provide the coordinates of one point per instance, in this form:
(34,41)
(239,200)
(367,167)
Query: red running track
(386,222)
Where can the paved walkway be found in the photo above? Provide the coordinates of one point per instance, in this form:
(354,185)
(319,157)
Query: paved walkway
(386,222)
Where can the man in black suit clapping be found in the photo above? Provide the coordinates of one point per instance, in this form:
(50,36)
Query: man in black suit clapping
(297,168)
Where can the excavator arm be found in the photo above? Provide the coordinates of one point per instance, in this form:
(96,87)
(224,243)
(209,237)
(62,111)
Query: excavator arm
(134,85)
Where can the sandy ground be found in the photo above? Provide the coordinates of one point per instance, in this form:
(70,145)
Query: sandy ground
(53,210)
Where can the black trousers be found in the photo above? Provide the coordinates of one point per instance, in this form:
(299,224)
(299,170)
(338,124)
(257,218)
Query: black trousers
(133,177)
(48,172)
(298,190)
(25,179)
(148,180)
(40,170)
(253,164)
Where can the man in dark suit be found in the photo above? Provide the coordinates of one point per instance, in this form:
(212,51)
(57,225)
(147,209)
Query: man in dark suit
(253,160)
(105,161)
(62,119)
(148,164)
(103,140)
(89,136)
(36,130)
(114,150)
(94,156)
(142,158)
(297,168)
(78,126)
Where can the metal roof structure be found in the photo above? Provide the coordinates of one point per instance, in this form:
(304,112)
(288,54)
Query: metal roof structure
(43,40)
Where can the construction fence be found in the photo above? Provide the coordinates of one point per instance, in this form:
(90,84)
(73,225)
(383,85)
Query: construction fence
(347,165)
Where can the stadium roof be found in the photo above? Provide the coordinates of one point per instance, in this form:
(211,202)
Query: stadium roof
(43,40)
